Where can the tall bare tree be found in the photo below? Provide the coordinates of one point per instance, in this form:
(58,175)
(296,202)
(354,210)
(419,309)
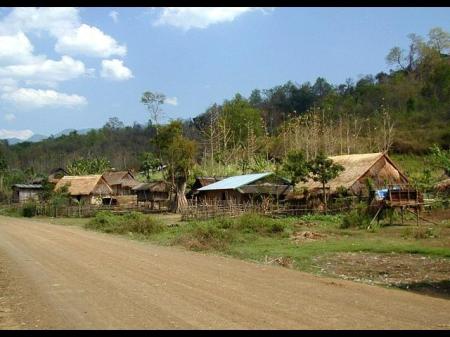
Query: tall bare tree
(153,102)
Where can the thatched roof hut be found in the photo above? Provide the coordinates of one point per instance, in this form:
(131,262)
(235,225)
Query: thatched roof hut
(85,186)
(201,182)
(157,191)
(358,168)
(443,186)
(121,182)
(56,174)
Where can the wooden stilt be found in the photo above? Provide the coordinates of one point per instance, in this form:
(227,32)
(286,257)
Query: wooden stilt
(417,213)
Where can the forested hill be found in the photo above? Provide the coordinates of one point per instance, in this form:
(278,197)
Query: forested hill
(406,111)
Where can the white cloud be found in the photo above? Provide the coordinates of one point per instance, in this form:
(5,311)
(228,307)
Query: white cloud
(64,24)
(115,70)
(171,101)
(90,41)
(114,16)
(10,117)
(15,48)
(20,134)
(45,71)
(37,98)
(7,84)
(55,20)
(200,17)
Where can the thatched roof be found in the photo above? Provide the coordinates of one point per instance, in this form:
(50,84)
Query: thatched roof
(204,181)
(443,185)
(85,185)
(355,166)
(115,177)
(156,186)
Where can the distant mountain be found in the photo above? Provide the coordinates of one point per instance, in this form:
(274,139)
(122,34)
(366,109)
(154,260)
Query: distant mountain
(65,132)
(12,141)
(33,139)
(36,138)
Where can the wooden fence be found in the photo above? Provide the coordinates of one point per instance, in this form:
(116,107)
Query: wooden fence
(198,211)
(82,211)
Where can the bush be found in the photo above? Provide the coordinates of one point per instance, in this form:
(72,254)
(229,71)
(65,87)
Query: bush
(420,233)
(133,222)
(29,209)
(217,234)
(205,236)
(358,217)
(258,224)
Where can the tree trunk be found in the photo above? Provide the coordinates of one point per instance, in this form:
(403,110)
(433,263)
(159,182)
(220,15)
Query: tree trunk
(180,200)
(325,197)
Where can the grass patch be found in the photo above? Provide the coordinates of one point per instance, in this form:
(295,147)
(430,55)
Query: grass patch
(260,238)
(133,222)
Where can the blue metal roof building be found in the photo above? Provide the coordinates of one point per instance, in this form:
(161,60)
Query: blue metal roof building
(243,188)
(235,182)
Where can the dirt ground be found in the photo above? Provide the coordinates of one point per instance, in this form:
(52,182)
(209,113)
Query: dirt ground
(422,274)
(65,277)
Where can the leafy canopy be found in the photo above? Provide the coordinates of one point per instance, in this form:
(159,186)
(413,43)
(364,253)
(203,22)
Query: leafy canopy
(86,166)
(324,169)
(296,167)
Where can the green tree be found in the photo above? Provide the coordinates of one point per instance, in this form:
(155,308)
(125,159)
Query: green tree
(153,102)
(86,166)
(114,123)
(323,170)
(296,167)
(3,168)
(242,119)
(441,158)
(180,156)
(439,40)
(149,164)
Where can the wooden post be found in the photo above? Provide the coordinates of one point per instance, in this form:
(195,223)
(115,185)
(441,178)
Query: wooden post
(417,213)
(401,208)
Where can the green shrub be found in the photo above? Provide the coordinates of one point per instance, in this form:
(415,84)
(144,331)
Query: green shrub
(358,217)
(258,224)
(133,222)
(11,211)
(217,234)
(29,209)
(205,236)
(136,222)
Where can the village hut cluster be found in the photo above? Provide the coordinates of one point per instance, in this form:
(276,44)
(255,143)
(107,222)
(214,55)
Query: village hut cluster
(362,174)
(109,188)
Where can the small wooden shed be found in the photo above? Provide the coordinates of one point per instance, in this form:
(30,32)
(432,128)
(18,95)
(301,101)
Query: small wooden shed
(153,192)
(199,183)
(26,192)
(121,182)
(90,189)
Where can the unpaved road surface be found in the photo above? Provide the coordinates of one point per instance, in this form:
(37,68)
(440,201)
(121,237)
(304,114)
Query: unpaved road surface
(66,277)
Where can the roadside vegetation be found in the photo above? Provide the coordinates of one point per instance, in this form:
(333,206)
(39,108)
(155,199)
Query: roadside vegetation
(311,243)
(257,237)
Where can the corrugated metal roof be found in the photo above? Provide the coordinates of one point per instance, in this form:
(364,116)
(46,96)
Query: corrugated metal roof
(29,186)
(234,182)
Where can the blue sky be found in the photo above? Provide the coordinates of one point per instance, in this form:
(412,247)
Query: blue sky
(76,67)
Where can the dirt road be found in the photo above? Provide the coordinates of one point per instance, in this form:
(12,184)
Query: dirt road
(66,277)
